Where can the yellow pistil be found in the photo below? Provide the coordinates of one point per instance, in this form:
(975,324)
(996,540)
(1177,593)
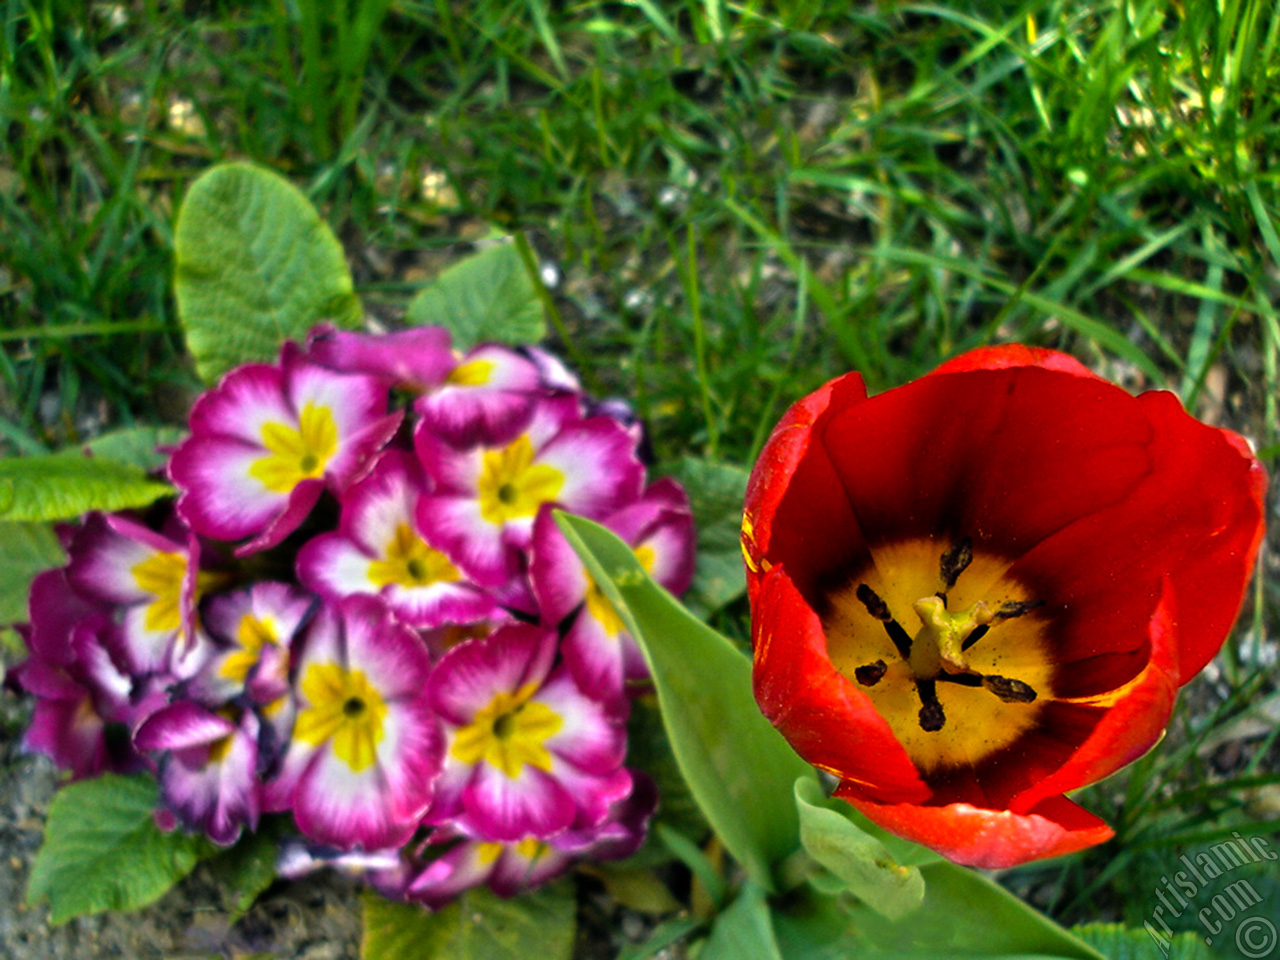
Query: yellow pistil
(510,732)
(974,676)
(411,563)
(473,374)
(253,635)
(344,710)
(296,455)
(512,486)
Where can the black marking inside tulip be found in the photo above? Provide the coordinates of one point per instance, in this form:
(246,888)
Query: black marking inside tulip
(955,562)
(942,640)
(353,707)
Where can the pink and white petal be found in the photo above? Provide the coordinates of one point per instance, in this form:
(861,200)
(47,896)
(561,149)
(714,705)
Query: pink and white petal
(596,796)
(594,657)
(353,400)
(386,499)
(552,372)
(455,527)
(140,649)
(218,797)
(323,641)
(410,757)
(180,726)
(469,676)
(103,560)
(498,807)
(592,736)
(268,679)
(454,777)
(469,415)
(454,872)
(245,400)
(46,681)
(597,458)
(54,608)
(560,581)
(282,606)
(356,454)
(514,873)
(218,496)
(451,469)
(393,657)
(334,567)
(419,358)
(296,508)
(437,604)
(336,805)
(71,734)
(280,788)
(553,414)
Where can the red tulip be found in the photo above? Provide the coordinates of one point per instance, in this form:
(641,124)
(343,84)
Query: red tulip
(983,589)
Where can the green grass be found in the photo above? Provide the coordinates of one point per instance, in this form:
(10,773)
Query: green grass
(740,200)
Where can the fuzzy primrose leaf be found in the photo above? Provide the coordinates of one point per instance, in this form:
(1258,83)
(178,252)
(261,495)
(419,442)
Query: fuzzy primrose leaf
(738,768)
(115,859)
(481,926)
(256,266)
(488,297)
(62,486)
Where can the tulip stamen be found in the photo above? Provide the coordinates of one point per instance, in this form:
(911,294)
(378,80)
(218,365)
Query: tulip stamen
(1007,689)
(869,674)
(1008,611)
(979,632)
(932,718)
(880,610)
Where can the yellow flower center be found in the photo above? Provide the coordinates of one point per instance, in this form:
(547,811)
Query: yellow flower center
(473,374)
(510,732)
(345,710)
(411,563)
(512,485)
(252,635)
(974,676)
(161,575)
(599,606)
(296,455)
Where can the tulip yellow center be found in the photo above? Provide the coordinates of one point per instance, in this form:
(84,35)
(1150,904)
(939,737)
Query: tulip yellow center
(973,675)
(345,710)
(411,563)
(512,486)
(296,455)
(510,732)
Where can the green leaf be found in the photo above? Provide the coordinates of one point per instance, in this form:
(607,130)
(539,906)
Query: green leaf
(1117,942)
(26,549)
(737,766)
(248,868)
(744,931)
(716,492)
(486,297)
(61,486)
(103,851)
(861,862)
(966,914)
(256,266)
(480,926)
(138,446)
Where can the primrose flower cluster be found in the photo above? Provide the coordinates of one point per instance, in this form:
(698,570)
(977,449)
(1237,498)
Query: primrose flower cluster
(360,611)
